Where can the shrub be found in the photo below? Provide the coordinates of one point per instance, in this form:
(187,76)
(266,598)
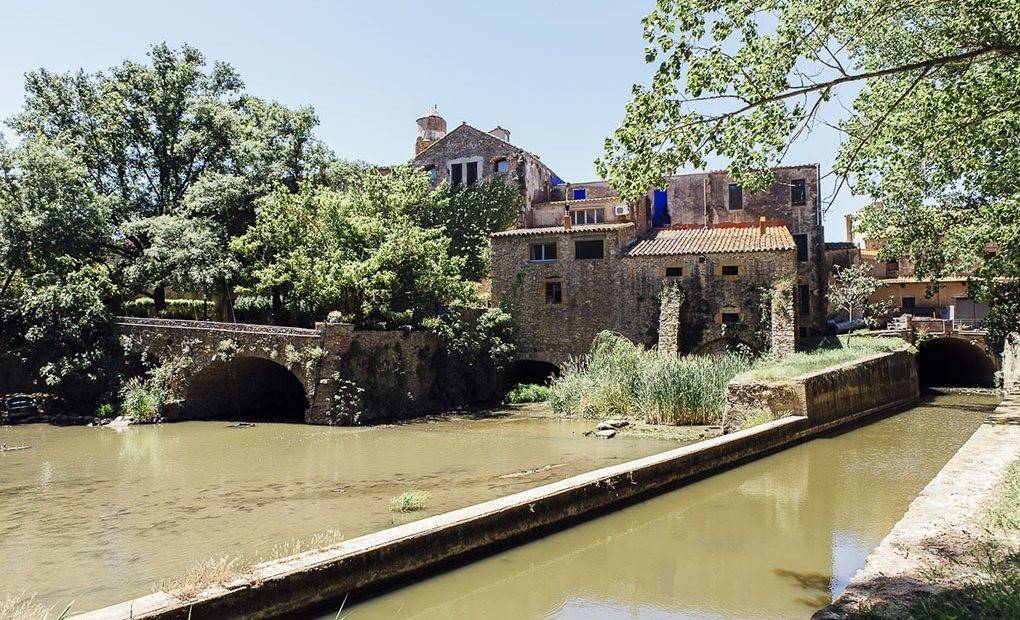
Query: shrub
(618,378)
(527,393)
(190,309)
(410,501)
(141,399)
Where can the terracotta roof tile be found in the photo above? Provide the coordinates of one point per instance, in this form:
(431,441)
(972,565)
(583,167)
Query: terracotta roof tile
(674,241)
(559,230)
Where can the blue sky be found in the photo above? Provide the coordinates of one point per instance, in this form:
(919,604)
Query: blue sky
(556,74)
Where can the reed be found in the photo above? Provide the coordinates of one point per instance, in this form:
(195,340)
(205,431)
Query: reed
(618,378)
(410,501)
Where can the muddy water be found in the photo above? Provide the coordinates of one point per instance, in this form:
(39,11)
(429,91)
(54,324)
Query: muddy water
(776,538)
(97,516)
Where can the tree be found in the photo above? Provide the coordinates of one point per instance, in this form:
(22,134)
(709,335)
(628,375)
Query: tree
(468,215)
(930,134)
(850,291)
(174,138)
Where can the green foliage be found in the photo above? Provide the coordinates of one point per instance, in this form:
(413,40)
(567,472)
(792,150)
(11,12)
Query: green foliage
(850,288)
(929,134)
(479,347)
(410,501)
(830,353)
(191,309)
(618,378)
(527,393)
(468,215)
(142,399)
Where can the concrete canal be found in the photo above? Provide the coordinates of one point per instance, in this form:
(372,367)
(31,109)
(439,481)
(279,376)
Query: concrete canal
(775,538)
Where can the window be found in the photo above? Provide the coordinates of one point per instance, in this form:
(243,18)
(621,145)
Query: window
(798,192)
(731,270)
(736,197)
(580,193)
(502,166)
(544,251)
(803,299)
(587,216)
(456,174)
(909,302)
(553,292)
(730,318)
(802,249)
(589,249)
(674,272)
(472,172)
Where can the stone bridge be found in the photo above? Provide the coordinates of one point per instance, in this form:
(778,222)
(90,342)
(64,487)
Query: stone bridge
(949,352)
(237,370)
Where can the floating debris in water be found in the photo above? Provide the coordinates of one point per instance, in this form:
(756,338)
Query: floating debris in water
(6,448)
(241,425)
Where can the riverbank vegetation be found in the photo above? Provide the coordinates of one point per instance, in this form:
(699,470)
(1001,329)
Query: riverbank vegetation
(618,378)
(164,188)
(524,393)
(410,501)
(823,354)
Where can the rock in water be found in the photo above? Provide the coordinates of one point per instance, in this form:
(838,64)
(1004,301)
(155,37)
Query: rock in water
(606,433)
(611,424)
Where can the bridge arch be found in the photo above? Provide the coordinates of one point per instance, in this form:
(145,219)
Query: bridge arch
(956,362)
(531,371)
(245,388)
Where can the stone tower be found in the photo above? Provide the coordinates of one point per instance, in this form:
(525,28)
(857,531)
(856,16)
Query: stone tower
(431,127)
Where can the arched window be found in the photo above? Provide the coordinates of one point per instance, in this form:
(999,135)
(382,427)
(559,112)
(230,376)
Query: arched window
(502,166)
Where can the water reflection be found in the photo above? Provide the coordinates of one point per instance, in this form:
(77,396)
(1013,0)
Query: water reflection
(772,539)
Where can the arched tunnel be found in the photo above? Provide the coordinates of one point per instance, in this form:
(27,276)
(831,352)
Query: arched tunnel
(531,371)
(246,389)
(954,362)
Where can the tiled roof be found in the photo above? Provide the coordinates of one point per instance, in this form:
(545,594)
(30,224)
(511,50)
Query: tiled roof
(686,240)
(840,245)
(559,230)
(580,202)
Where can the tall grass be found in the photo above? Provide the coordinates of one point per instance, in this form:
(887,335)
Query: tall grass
(618,378)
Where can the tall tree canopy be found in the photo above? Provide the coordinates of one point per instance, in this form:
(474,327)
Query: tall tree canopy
(931,132)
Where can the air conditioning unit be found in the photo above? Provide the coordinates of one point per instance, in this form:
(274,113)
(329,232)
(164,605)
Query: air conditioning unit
(621,210)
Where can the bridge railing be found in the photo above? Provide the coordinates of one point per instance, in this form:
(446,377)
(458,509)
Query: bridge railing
(216,326)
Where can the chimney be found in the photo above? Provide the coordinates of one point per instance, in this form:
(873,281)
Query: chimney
(761,226)
(499,132)
(849,227)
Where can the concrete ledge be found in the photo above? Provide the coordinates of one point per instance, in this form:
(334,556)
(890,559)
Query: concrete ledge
(290,585)
(951,504)
(831,393)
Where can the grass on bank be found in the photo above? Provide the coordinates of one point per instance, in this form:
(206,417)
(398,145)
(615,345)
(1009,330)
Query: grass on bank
(24,607)
(527,393)
(823,354)
(410,501)
(618,378)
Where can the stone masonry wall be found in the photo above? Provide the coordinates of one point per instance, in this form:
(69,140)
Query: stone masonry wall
(1011,363)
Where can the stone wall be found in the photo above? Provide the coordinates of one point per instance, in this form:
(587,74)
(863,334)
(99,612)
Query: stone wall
(868,385)
(622,294)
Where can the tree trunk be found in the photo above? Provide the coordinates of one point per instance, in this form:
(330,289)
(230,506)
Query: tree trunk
(158,299)
(277,306)
(228,304)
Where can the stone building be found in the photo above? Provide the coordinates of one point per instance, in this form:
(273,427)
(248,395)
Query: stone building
(582,260)
(468,155)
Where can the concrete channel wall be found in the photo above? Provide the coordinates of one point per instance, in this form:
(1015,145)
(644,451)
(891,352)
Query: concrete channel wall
(874,383)
(298,583)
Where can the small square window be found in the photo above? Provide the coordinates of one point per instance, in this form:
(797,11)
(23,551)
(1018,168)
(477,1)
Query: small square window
(591,249)
(545,251)
(731,270)
(909,302)
(502,166)
(730,318)
(580,193)
(553,292)
(798,192)
(736,197)
(674,272)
